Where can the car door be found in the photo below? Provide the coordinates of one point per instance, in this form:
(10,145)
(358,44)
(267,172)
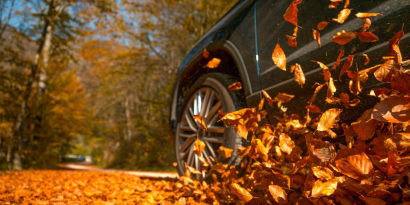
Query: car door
(272,28)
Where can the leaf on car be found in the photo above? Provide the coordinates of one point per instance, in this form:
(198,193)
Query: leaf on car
(278,57)
(343,37)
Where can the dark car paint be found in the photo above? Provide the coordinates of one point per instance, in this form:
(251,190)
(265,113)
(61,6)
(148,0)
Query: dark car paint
(235,34)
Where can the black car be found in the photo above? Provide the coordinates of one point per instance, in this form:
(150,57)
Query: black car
(244,40)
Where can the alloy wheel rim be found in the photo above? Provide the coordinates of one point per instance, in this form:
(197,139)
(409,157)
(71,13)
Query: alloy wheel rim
(204,102)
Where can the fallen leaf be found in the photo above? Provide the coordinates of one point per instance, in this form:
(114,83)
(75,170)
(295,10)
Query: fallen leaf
(268,98)
(395,40)
(278,194)
(366,25)
(205,53)
(392,109)
(331,88)
(365,126)
(291,14)
(367,37)
(278,57)
(299,75)
(313,109)
(193,170)
(322,173)
(385,71)
(346,65)
(213,63)
(342,16)
(372,201)
(286,144)
(291,41)
(238,114)
(366,15)
(337,63)
(316,36)
(322,25)
(235,86)
(201,121)
(357,166)
(225,152)
(347,3)
(323,189)
(367,59)
(204,164)
(240,192)
(354,84)
(199,147)
(283,98)
(343,37)
(326,72)
(322,150)
(400,81)
(328,119)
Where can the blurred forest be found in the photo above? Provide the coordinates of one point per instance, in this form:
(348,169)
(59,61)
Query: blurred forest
(93,77)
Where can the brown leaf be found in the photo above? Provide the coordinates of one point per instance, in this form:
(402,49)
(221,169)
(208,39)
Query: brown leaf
(286,143)
(291,41)
(291,14)
(316,36)
(367,59)
(240,192)
(343,37)
(213,63)
(318,88)
(199,147)
(366,15)
(225,152)
(366,25)
(365,126)
(268,98)
(395,40)
(323,189)
(342,16)
(201,121)
(278,194)
(322,150)
(385,71)
(283,98)
(400,81)
(367,37)
(205,53)
(337,63)
(204,163)
(346,65)
(313,109)
(328,119)
(354,84)
(238,114)
(322,173)
(331,88)
(235,86)
(278,57)
(326,72)
(299,75)
(372,201)
(392,109)
(322,25)
(357,166)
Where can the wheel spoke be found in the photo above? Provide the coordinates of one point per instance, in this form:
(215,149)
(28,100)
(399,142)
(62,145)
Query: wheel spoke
(191,122)
(211,151)
(190,155)
(186,144)
(205,103)
(210,101)
(207,157)
(216,129)
(212,112)
(187,135)
(186,128)
(219,140)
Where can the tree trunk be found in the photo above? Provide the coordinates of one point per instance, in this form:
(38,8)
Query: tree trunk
(128,119)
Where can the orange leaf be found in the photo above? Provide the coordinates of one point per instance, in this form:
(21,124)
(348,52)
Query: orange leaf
(201,121)
(354,84)
(366,15)
(367,37)
(326,72)
(385,72)
(278,194)
(337,63)
(241,130)
(331,88)
(286,143)
(291,41)
(316,36)
(291,14)
(357,166)
(225,152)
(323,189)
(365,127)
(372,201)
(205,53)
(328,119)
(278,57)
(322,25)
(313,109)
(322,173)
(213,63)
(204,163)
(235,86)
(342,16)
(395,40)
(347,3)
(240,192)
(268,98)
(299,75)
(347,65)
(343,37)
(283,98)
(322,150)
(393,109)
(367,59)
(400,81)
(199,147)
(366,25)
(193,170)
(238,114)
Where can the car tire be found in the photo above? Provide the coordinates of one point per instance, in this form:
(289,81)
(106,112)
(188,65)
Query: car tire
(203,98)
